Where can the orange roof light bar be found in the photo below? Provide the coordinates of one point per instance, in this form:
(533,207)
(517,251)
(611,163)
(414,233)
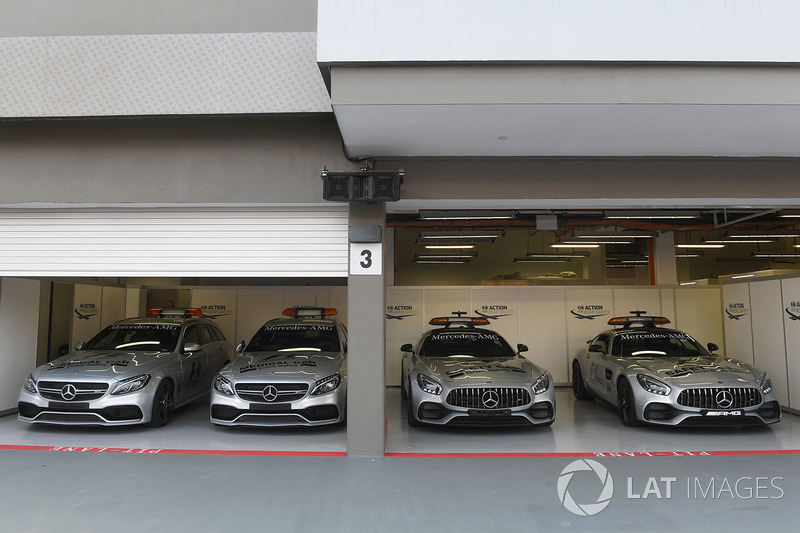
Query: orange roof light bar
(161,312)
(310,312)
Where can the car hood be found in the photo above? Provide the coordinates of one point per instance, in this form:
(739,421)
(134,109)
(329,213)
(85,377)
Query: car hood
(699,370)
(105,364)
(286,364)
(456,370)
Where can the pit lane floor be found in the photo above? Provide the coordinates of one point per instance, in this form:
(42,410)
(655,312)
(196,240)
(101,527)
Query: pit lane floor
(580,427)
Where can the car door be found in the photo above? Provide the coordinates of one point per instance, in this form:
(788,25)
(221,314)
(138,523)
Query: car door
(194,362)
(601,372)
(218,349)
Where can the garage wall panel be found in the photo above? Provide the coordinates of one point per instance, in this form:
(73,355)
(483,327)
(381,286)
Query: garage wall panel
(791,324)
(269,241)
(86,309)
(588,311)
(627,300)
(113,306)
(697,312)
(543,327)
(19,318)
(404,323)
(738,321)
(769,344)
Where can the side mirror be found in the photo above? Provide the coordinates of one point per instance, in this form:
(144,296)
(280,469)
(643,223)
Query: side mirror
(522,348)
(79,345)
(191,347)
(240,347)
(712,347)
(407,348)
(596,348)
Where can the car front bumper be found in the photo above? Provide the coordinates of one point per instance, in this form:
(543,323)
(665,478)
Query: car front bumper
(324,409)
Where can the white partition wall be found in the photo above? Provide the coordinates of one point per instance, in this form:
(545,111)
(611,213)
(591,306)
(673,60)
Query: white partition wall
(87,306)
(738,321)
(19,319)
(555,322)
(791,325)
(769,344)
(113,306)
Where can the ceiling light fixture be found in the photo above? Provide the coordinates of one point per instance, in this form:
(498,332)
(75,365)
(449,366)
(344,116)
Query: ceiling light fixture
(652,215)
(477,214)
(743,276)
(448,246)
(699,245)
(765,236)
(559,255)
(559,245)
(542,259)
(622,234)
(579,243)
(740,241)
(688,283)
(776,256)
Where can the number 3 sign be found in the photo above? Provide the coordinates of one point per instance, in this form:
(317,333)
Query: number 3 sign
(366,259)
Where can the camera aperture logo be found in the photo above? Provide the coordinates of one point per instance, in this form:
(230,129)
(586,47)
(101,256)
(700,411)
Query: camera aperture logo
(585,509)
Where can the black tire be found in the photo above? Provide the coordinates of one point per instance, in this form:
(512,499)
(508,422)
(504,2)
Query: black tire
(163,404)
(626,408)
(413,421)
(578,385)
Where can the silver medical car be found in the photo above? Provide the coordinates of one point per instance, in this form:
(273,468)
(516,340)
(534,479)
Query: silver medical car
(663,376)
(293,372)
(135,371)
(461,374)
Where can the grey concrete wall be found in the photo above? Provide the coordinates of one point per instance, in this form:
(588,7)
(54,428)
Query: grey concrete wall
(190,160)
(26,18)
(599,178)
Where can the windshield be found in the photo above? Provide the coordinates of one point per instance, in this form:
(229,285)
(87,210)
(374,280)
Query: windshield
(465,343)
(136,337)
(295,337)
(656,344)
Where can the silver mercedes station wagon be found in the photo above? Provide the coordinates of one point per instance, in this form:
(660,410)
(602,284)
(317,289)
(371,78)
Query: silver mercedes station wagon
(462,374)
(135,371)
(663,376)
(293,372)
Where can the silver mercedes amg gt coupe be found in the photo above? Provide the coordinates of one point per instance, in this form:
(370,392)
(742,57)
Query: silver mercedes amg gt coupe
(293,372)
(663,376)
(462,374)
(135,371)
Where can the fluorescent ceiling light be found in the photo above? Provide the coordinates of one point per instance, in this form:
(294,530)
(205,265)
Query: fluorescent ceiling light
(575,246)
(765,236)
(699,245)
(622,234)
(459,235)
(741,241)
(441,261)
(652,215)
(617,265)
(743,276)
(448,246)
(790,214)
(579,243)
(777,256)
(458,255)
(554,259)
(636,261)
(476,214)
(559,255)
(688,283)
(690,254)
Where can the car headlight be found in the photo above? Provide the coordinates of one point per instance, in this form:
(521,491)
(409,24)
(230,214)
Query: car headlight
(223,385)
(30,384)
(131,384)
(653,385)
(324,385)
(766,384)
(428,385)
(541,384)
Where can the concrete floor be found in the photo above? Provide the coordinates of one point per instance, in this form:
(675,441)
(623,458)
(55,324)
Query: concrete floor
(71,491)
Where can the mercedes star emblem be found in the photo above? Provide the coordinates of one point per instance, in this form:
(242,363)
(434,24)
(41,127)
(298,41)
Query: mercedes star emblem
(724,399)
(490,399)
(270,393)
(68,392)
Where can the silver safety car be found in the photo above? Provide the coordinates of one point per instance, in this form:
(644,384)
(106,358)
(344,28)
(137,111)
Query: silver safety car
(462,374)
(663,376)
(135,371)
(293,372)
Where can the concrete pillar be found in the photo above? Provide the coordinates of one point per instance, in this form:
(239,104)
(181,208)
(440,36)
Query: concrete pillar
(366,309)
(662,260)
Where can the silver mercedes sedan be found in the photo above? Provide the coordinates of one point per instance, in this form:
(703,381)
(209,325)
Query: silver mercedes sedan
(293,372)
(462,374)
(135,371)
(663,376)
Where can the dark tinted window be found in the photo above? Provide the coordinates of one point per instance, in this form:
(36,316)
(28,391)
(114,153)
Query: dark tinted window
(465,342)
(192,335)
(136,337)
(216,334)
(275,337)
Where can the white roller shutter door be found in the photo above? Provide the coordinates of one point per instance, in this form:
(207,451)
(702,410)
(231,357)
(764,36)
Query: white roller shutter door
(280,241)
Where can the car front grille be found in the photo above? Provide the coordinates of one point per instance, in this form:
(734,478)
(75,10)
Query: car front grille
(720,397)
(273,419)
(489,397)
(261,392)
(72,391)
